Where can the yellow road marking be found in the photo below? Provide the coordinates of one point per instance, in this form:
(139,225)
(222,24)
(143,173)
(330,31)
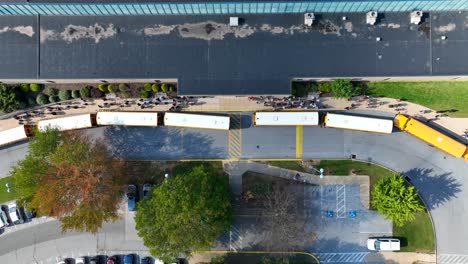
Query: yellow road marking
(299,141)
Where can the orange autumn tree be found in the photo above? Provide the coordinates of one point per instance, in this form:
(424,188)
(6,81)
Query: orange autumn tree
(80,187)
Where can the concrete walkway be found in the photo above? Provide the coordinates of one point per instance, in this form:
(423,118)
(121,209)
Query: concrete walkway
(401,258)
(236,169)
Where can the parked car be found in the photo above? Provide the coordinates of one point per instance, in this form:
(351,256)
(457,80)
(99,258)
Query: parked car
(3,219)
(66,261)
(129,259)
(146,190)
(97,260)
(80,261)
(131,197)
(14,214)
(383,244)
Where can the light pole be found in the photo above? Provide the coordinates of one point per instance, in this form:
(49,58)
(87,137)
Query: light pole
(321,170)
(8,187)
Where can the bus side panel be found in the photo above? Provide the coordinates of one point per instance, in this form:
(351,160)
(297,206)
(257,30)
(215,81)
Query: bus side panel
(435,138)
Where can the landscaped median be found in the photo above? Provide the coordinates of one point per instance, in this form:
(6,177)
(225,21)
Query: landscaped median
(415,236)
(6,196)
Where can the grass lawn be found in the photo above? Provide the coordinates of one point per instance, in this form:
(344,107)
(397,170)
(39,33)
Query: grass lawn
(435,95)
(417,236)
(4,195)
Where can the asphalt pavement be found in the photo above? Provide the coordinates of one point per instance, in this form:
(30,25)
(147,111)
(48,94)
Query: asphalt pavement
(440,178)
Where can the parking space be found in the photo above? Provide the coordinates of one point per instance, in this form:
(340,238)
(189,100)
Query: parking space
(342,224)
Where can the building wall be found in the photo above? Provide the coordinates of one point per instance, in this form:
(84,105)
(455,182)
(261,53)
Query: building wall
(232,7)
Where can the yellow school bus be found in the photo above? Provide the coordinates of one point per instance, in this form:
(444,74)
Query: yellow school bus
(430,135)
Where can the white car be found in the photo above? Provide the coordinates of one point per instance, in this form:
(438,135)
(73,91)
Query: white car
(3,219)
(79,261)
(383,244)
(14,213)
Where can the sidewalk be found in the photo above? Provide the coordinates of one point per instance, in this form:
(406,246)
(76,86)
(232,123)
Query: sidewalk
(402,257)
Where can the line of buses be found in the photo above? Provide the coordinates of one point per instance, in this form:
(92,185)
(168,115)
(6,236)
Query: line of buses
(222,122)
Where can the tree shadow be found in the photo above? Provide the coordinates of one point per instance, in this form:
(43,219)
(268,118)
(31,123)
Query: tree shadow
(435,190)
(158,143)
(334,245)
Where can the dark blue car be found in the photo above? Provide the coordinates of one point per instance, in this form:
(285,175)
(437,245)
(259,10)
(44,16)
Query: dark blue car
(128,259)
(131,197)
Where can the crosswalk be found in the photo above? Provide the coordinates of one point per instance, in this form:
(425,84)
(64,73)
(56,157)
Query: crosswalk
(452,259)
(235,136)
(341,257)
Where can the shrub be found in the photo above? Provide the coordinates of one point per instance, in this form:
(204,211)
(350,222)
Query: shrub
(75,94)
(122,87)
(155,87)
(51,91)
(25,87)
(42,99)
(35,87)
(102,88)
(96,93)
(172,88)
(147,87)
(54,99)
(124,94)
(344,89)
(325,87)
(31,101)
(110,88)
(10,100)
(85,92)
(164,87)
(144,94)
(64,95)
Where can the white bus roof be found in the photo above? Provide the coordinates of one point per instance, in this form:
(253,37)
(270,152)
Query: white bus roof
(286,118)
(196,121)
(66,123)
(359,123)
(13,135)
(127,118)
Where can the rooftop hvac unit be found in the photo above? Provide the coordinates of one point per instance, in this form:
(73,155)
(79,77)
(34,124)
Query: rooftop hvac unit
(416,17)
(371,17)
(309,19)
(233,21)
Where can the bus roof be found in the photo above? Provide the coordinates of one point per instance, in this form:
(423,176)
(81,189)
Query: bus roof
(286,118)
(196,121)
(359,123)
(13,135)
(127,118)
(435,138)
(66,123)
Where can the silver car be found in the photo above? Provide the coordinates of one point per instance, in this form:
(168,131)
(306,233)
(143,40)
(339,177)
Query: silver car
(3,219)
(14,213)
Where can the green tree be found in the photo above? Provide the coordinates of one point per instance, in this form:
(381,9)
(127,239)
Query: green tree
(29,172)
(64,95)
(85,92)
(9,98)
(155,87)
(164,87)
(35,87)
(102,88)
(111,88)
(147,87)
(51,91)
(75,94)
(144,94)
(42,99)
(324,87)
(54,99)
(25,87)
(122,87)
(344,89)
(193,204)
(396,200)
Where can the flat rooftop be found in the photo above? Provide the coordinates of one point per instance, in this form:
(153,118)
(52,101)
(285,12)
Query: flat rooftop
(207,56)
